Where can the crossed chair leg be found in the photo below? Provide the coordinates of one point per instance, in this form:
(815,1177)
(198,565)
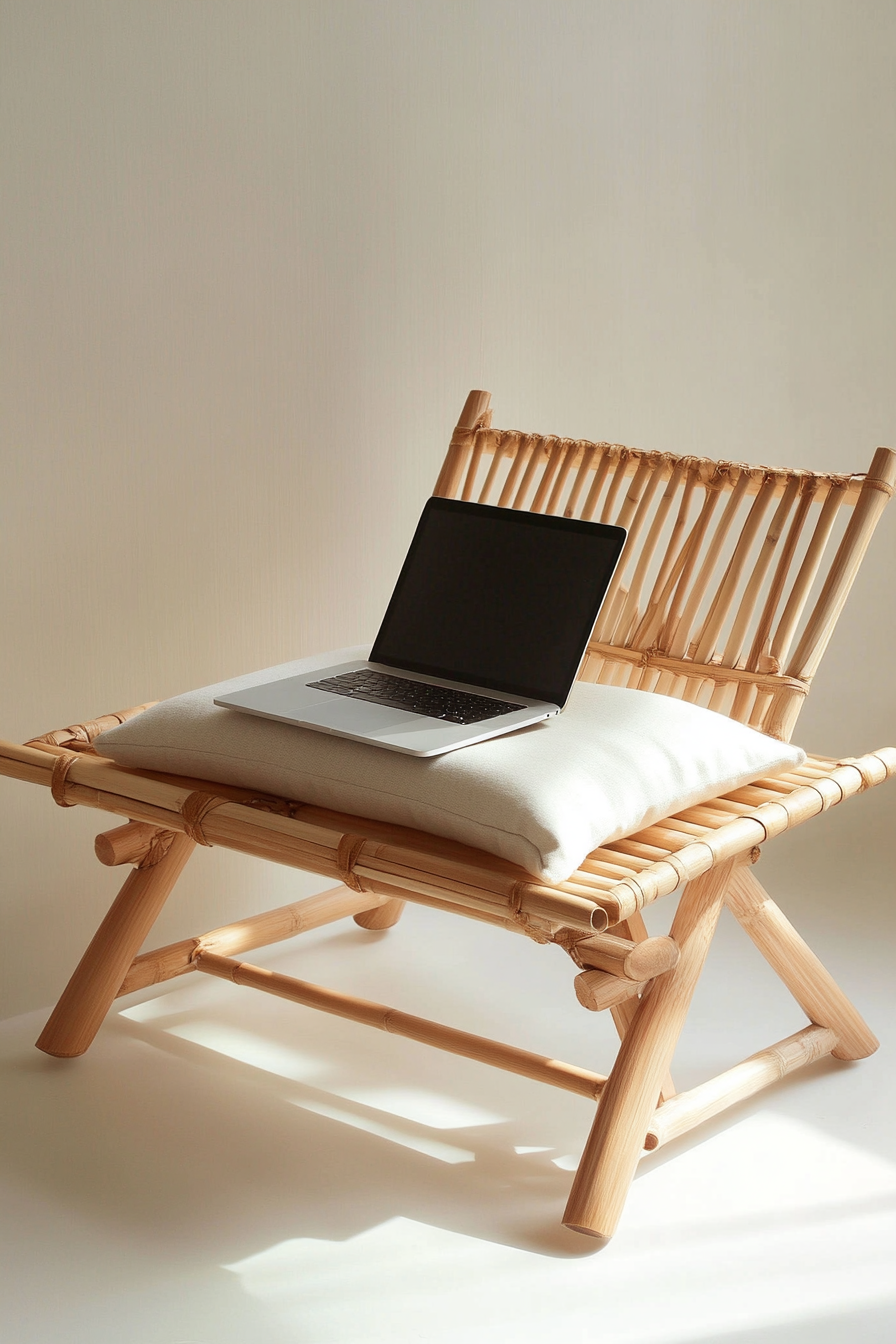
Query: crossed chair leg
(628,1118)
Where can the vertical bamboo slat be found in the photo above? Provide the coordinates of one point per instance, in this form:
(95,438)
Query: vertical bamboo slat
(590,506)
(672,561)
(725,596)
(493,468)
(562,477)
(578,484)
(877,489)
(631,517)
(741,479)
(706,562)
(751,593)
(799,593)
(537,451)
(762,639)
(616,481)
(475,412)
(555,456)
(694,545)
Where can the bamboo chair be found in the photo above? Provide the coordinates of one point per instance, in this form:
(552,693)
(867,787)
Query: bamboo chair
(731,583)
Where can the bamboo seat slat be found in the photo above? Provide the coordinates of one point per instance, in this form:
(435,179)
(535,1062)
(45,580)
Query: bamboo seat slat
(707,816)
(632,862)
(637,849)
(604,869)
(725,596)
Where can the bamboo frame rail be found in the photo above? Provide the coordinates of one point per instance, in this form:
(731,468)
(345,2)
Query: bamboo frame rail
(686,1110)
(727,593)
(273,926)
(616,881)
(500,1056)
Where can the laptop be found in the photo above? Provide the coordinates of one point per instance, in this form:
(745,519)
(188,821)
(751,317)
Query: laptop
(484,634)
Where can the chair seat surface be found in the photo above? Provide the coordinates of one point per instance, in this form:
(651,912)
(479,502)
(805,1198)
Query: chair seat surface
(544,797)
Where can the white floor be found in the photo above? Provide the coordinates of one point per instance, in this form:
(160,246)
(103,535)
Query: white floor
(225,1167)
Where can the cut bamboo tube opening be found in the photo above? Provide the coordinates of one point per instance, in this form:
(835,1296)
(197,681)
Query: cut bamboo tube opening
(126,844)
(597,990)
(637,961)
(500,1056)
(686,1110)
(383,916)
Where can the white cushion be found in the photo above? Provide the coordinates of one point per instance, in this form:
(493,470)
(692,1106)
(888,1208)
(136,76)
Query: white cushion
(543,797)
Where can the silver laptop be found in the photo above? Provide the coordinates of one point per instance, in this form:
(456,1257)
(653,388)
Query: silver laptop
(484,634)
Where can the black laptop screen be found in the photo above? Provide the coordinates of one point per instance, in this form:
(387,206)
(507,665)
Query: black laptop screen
(498,598)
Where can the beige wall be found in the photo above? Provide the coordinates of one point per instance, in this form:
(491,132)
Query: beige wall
(255,254)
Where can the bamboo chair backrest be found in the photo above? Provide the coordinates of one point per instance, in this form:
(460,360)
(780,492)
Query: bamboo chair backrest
(732,577)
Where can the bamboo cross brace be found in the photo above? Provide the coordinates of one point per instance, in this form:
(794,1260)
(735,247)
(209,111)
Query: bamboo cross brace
(686,1110)
(273,926)
(501,1056)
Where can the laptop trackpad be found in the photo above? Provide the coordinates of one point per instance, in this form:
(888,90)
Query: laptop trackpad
(360,716)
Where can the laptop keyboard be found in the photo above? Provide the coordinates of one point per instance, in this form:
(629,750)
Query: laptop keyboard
(418,697)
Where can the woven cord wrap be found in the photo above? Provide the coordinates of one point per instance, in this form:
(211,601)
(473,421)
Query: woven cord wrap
(158,848)
(522,920)
(61,767)
(569,940)
(875,484)
(195,807)
(347,854)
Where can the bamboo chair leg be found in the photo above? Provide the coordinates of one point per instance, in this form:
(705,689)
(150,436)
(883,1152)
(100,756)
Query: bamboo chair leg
(623,1013)
(382,917)
(629,1097)
(89,993)
(813,987)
